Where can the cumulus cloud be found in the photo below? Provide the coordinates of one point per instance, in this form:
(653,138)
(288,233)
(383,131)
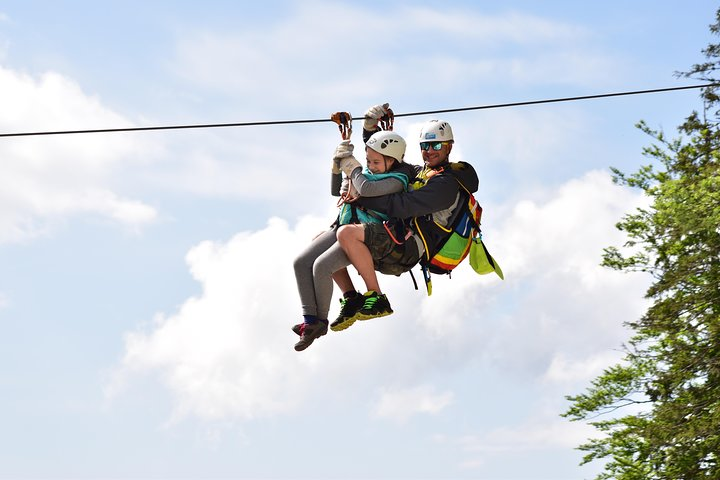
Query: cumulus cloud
(566,370)
(503,45)
(494,29)
(401,404)
(45,178)
(224,353)
(523,143)
(552,250)
(48,178)
(539,434)
(227,352)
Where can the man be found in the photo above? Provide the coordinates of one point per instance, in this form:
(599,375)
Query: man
(426,211)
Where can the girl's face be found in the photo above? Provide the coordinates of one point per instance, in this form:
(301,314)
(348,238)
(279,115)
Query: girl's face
(376,162)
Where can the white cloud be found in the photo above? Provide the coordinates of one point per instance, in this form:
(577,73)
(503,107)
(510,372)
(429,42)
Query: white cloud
(551,251)
(538,434)
(542,433)
(400,404)
(4,43)
(227,352)
(468,49)
(251,164)
(495,29)
(566,370)
(45,178)
(567,231)
(281,60)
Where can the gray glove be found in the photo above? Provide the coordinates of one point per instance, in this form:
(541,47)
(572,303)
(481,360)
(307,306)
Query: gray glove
(343,158)
(344,149)
(372,116)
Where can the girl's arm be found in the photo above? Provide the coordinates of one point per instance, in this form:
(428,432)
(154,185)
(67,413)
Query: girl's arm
(375,188)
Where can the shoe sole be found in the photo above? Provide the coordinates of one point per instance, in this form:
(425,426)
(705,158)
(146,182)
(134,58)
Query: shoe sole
(345,324)
(368,316)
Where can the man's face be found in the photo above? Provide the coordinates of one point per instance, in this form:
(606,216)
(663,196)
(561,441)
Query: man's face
(435,153)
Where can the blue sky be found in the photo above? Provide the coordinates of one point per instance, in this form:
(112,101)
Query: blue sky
(146,286)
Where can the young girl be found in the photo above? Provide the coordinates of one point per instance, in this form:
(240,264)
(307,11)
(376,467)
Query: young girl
(324,261)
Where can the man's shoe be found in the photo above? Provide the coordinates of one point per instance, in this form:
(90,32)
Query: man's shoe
(374,306)
(349,307)
(298,328)
(309,332)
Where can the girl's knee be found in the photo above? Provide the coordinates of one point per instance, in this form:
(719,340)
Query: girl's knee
(303,262)
(350,232)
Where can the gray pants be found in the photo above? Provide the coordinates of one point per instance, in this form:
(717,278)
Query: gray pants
(313,272)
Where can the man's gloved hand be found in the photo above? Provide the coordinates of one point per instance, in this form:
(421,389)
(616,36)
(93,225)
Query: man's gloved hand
(372,116)
(343,158)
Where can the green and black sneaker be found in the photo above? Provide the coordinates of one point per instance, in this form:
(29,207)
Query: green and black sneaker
(349,307)
(375,305)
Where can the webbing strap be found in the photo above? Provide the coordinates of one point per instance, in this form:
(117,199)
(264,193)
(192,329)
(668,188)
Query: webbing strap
(413,279)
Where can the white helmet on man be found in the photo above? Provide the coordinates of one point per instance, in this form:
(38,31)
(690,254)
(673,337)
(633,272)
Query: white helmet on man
(436,131)
(388,143)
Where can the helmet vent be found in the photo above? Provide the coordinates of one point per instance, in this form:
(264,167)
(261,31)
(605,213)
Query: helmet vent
(387,142)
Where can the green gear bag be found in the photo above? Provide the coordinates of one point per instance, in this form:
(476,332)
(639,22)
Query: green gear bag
(481,260)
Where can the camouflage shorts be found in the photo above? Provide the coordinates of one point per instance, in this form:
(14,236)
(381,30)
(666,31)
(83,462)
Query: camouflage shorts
(389,257)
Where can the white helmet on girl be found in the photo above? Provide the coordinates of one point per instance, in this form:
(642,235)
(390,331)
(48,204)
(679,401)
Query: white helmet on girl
(388,143)
(436,131)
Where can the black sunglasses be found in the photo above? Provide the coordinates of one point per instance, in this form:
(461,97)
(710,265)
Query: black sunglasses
(435,145)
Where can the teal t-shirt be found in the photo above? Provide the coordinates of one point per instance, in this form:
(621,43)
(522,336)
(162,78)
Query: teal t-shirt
(369,216)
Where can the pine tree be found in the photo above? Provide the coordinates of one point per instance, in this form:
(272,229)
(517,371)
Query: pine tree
(668,384)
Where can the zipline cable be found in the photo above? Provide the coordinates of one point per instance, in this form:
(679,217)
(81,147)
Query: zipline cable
(557,100)
(428,112)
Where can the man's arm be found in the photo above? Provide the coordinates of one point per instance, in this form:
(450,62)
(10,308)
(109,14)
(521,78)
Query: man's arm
(439,194)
